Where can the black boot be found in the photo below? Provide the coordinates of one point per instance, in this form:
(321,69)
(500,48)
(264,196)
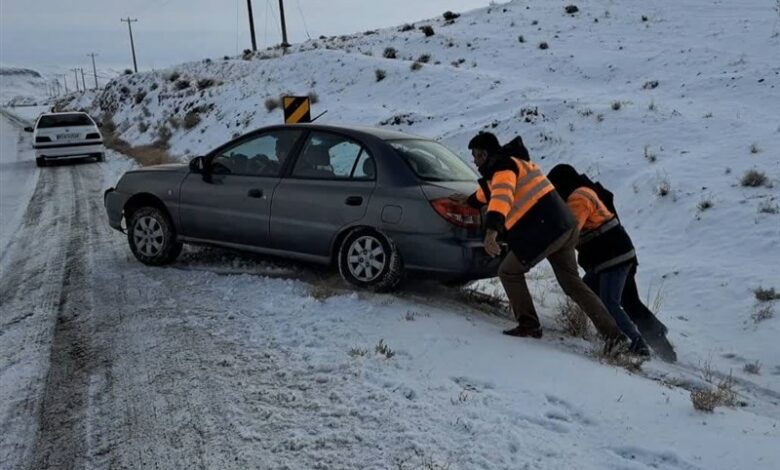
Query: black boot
(639,347)
(524,332)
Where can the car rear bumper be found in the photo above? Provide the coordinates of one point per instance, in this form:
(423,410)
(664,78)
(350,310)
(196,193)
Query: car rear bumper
(446,258)
(68,152)
(114,202)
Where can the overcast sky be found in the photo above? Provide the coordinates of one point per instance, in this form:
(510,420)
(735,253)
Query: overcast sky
(57,33)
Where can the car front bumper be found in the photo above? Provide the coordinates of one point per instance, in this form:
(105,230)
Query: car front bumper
(68,152)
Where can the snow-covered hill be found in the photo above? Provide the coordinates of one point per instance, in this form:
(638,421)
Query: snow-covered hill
(668,104)
(21,86)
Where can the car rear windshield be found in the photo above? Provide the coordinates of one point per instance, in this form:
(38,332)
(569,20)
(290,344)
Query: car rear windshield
(64,120)
(432,161)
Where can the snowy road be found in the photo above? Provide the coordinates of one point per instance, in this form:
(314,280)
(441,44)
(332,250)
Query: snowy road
(106,363)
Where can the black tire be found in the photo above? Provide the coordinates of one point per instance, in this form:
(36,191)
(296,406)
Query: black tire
(101,157)
(381,270)
(152,237)
(40,162)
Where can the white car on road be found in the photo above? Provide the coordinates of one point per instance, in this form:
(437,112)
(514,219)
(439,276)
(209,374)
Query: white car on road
(66,136)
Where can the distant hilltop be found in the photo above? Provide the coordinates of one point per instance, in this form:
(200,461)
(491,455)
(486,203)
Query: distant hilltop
(18,72)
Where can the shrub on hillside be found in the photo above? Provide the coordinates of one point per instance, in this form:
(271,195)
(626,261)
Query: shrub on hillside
(571,9)
(650,85)
(271,104)
(722,395)
(247,54)
(572,319)
(390,53)
(127,72)
(406,27)
(143,126)
(139,97)
(174,76)
(182,85)
(191,119)
(204,83)
(427,30)
(753,368)
(416,66)
(450,16)
(766,295)
(543,45)
(313,97)
(753,179)
(424,58)
(380,74)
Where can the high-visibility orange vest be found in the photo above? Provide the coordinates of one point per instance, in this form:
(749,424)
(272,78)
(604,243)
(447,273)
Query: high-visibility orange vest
(513,195)
(590,212)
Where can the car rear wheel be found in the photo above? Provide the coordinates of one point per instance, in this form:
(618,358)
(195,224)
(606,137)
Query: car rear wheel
(370,260)
(152,237)
(39,162)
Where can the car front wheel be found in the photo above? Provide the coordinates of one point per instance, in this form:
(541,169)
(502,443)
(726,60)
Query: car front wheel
(370,260)
(152,237)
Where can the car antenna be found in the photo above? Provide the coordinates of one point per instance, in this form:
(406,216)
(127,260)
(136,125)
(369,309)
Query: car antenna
(319,116)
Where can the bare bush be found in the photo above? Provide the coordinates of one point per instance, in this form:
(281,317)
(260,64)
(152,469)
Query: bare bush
(722,395)
(416,66)
(182,85)
(406,27)
(650,85)
(390,53)
(521,39)
(754,179)
(173,77)
(191,119)
(616,105)
(650,156)
(139,97)
(704,204)
(543,45)
(571,9)
(572,320)
(424,58)
(272,104)
(380,74)
(383,349)
(358,352)
(763,313)
(754,148)
(753,368)
(204,83)
(766,207)
(143,126)
(427,30)
(664,188)
(247,54)
(766,295)
(313,97)
(450,16)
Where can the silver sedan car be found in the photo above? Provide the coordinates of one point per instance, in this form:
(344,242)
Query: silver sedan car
(371,202)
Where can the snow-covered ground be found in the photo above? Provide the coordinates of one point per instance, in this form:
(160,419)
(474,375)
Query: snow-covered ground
(227,361)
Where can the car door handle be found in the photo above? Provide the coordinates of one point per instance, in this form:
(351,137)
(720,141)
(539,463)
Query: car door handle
(255,193)
(354,201)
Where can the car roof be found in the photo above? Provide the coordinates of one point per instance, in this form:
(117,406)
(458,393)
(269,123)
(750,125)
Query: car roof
(383,134)
(64,113)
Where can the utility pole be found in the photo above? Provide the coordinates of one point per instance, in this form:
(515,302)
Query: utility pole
(94,70)
(285,44)
(251,25)
(83,82)
(76,76)
(129,22)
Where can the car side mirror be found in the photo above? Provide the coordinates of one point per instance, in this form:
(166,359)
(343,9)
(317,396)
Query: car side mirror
(28,129)
(198,165)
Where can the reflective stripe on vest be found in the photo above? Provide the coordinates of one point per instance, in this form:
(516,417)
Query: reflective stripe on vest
(530,187)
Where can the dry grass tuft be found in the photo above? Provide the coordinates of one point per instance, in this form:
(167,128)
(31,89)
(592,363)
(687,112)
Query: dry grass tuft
(722,395)
(572,319)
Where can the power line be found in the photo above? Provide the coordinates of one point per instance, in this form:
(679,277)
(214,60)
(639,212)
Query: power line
(129,22)
(303,18)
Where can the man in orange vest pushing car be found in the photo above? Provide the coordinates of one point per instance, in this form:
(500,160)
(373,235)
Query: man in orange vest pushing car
(523,206)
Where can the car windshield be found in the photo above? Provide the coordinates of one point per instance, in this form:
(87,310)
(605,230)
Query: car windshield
(432,161)
(64,120)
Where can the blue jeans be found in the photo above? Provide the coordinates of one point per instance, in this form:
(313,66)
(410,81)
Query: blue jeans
(608,284)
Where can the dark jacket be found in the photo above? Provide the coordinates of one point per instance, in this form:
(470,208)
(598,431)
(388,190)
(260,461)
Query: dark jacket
(538,228)
(609,244)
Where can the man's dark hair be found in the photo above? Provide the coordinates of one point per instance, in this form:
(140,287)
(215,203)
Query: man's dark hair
(485,141)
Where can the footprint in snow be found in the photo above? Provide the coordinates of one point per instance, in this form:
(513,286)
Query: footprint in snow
(653,459)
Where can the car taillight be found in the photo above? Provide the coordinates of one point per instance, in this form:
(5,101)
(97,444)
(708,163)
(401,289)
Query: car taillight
(457,214)
(42,138)
(93,135)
